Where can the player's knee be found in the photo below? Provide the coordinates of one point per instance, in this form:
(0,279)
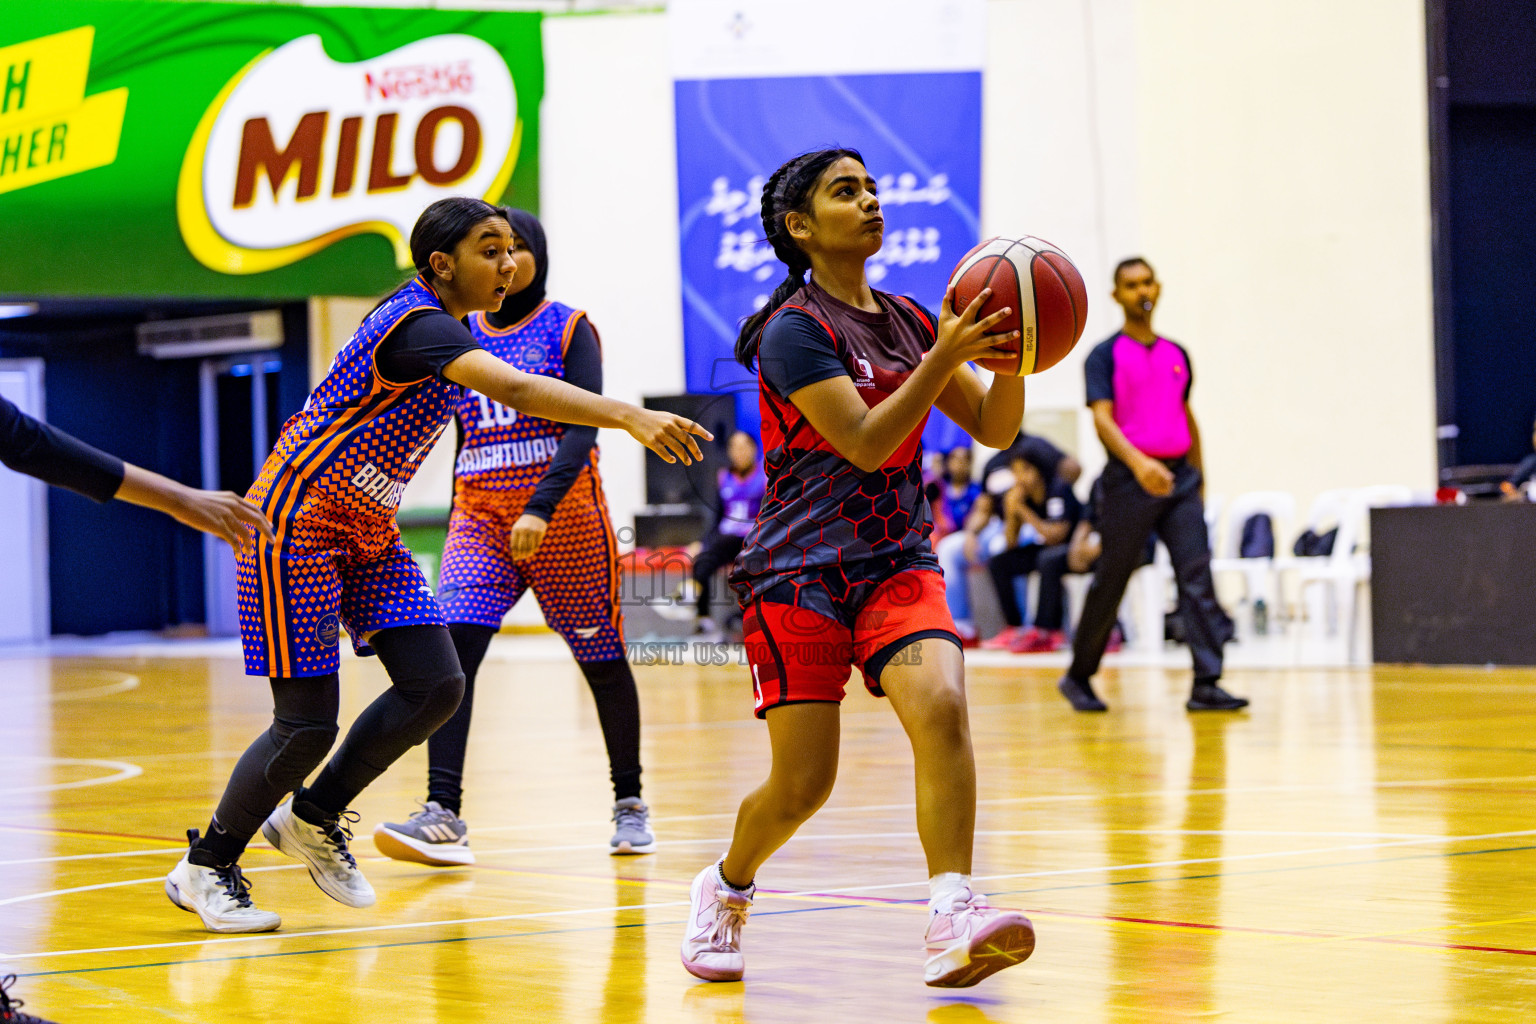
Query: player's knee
(441,697)
(299,752)
(801,794)
(944,717)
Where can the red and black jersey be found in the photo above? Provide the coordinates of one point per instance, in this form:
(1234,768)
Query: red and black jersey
(821,511)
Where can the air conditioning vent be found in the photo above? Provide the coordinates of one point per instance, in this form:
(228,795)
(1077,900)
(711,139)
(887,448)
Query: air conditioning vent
(211,335)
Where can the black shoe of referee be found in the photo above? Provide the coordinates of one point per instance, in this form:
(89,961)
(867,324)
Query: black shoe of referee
(10,1009)
(1080,695)
(1210,697)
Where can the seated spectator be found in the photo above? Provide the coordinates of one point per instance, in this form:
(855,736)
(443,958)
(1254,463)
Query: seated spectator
(1077,556)
(980,535)
(954,494)
(996,477)
(741,485)
(1517,487)
(1039,513)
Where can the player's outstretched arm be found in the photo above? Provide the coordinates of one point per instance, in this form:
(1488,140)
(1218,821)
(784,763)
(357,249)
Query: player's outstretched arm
(222,513)
(668,435)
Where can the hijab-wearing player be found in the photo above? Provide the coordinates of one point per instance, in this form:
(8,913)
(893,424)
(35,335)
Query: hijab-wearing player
(838,572)
(529,513)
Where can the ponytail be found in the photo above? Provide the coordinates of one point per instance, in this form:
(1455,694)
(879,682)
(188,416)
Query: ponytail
(789,189)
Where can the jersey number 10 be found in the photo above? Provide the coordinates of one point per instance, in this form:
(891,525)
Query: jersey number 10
(494,414)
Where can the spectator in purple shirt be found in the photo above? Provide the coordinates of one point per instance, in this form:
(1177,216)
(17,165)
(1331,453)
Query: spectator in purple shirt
(1138,389)
(741,485)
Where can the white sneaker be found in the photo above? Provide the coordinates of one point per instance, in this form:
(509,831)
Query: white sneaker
(221,896)
(972,940)
(712,944)
(324,849)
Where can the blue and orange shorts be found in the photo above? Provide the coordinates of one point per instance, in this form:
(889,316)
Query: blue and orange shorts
(804,635)
(330,569)
(574,574)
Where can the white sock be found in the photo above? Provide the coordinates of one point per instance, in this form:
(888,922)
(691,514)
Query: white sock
(946,889)
(720,873)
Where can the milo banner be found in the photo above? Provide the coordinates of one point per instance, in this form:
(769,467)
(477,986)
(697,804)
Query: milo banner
(752,88)
(218,150)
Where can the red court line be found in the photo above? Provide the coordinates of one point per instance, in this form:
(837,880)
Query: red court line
(91,832)
(1387,940)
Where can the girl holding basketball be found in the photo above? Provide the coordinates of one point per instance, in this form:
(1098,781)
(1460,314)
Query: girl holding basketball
(529,513)
(838,571)
(330,488)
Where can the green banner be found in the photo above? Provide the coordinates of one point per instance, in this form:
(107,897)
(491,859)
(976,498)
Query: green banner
(217,150)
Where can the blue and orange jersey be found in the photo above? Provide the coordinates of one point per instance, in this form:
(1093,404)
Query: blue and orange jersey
(819,509)
(502,449)
(360,438)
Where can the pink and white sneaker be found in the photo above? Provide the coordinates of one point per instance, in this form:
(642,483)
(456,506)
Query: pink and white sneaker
(712,944)
(973,941)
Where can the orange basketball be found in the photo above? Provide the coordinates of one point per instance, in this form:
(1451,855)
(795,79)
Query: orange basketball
(1042,287)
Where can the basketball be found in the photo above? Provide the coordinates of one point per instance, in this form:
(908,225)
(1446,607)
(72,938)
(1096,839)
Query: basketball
(1042,287)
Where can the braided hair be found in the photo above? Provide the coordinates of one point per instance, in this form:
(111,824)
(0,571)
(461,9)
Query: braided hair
(786,191)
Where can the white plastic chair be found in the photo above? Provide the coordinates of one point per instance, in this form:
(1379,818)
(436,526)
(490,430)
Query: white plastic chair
(1329,585)
(1258,573)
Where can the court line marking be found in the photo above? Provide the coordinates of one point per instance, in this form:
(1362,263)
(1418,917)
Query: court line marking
(123,771)
(1330,787)
(94,856)
(839,903)
(126,681)
(123,685)
(121,883)
(827,893)
(855,836)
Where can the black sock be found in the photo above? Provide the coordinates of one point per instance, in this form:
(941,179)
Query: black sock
(218,846)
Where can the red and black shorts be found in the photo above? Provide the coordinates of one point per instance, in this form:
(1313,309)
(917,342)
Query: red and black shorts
(804,635)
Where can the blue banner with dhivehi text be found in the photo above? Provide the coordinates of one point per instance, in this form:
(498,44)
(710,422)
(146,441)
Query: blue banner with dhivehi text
(920,135)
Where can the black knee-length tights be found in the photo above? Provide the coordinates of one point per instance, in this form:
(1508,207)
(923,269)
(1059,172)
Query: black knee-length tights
(426,685)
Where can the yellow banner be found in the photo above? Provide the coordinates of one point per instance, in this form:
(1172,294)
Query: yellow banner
(48,128)
(44,76)
(54,147)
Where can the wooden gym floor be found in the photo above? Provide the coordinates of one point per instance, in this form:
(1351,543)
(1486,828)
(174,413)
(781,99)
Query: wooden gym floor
(1361,846)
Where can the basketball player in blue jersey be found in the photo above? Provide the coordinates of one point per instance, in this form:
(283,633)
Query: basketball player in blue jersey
(529,513)
(838,571)
(330,488)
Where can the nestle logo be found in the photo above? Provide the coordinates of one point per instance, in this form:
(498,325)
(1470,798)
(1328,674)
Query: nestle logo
(417,81)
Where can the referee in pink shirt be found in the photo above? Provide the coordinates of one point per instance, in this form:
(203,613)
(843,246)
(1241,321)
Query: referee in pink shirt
(1138,389)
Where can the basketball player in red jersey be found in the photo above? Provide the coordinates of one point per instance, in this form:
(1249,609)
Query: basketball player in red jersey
(838,572)
(529,512)
(330,488)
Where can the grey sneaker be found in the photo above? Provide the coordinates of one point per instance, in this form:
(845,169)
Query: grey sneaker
(324,849)
(632,834)
(433,835)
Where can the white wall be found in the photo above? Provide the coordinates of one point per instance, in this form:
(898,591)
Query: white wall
(608,178)
(1284,198)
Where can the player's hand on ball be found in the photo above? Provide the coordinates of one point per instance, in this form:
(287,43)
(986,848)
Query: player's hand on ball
(668,435)
(964,337)
(527,535)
